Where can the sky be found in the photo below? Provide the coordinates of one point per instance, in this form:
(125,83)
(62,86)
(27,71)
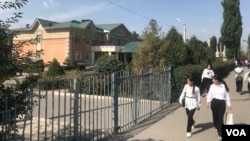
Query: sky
(203,18)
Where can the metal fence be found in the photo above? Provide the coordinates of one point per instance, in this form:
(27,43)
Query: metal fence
(6,123)
(93,107)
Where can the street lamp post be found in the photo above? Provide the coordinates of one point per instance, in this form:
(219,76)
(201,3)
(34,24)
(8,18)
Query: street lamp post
(184,30)
(184,33)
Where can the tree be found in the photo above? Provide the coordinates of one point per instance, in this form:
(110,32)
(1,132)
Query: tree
(231,29)
(195,50)
(213,43)
(11,57)
(54,70)
(248,45)
(148,49)
(199,51)
(173,49)
(108,63)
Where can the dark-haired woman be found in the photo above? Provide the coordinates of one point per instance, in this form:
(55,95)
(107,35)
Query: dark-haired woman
(192,102)
(217,99)
(239,78)
(206,79)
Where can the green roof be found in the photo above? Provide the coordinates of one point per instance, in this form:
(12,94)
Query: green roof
(130,47)
(108,27)
(46,24)
(77,24)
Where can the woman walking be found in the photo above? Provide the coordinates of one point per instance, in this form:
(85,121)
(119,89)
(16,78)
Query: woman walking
(217,99)
(247,79)
(206,79)
(239,78)
(192,102)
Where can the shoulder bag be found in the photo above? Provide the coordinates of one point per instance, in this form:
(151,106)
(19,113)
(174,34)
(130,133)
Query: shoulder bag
(183,99)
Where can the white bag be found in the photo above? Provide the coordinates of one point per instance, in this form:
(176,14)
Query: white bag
(229,120)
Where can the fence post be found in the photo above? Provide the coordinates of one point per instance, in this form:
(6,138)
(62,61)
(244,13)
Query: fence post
(151,83)
(114,85)
(136,86)
(76,107)
(169,71)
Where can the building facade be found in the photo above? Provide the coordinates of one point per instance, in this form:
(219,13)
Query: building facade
(81,42)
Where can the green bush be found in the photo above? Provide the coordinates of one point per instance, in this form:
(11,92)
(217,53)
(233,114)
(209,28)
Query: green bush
(33,66)
(54,70)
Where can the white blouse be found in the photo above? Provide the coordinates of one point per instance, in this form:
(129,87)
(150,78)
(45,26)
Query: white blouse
(192,101)
(247,77)
(238,71)
(207,73)
(218,92)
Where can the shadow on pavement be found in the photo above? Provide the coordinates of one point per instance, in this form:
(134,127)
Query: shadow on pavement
(146,140)
(202,127)
(144,125)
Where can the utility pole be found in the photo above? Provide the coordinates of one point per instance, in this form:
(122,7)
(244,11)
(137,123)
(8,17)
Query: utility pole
(184,33)
(184,30)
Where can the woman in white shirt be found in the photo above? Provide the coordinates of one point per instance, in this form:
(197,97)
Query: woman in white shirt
(206,79)
(247,79)
(192,102)
(217,99)
(239,78)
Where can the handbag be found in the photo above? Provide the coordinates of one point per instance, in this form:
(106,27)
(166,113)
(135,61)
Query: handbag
(229,119)
(183,100)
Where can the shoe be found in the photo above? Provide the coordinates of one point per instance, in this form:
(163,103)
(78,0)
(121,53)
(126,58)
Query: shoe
(189,134)
(204,94)
(219,138)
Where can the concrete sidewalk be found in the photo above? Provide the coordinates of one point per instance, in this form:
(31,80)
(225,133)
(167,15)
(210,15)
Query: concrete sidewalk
(170,124)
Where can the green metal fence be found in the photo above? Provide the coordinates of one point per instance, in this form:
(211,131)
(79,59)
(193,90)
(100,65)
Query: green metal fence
(93,107)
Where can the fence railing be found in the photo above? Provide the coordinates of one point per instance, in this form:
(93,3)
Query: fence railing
(93,107)
(7,124)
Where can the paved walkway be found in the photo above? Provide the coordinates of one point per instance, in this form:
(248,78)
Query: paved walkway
(170,124)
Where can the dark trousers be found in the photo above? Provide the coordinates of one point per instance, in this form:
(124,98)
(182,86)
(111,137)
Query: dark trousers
(205,85)
(218,108)
(239,85)
(248,87)
(190,119)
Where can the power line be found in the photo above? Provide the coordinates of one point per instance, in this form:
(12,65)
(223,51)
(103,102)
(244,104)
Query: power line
(140,15)
(128,10)
(133,12)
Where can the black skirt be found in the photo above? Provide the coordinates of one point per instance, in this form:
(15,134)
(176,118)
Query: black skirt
(205,85)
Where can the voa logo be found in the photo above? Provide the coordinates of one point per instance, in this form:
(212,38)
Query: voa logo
(236,132)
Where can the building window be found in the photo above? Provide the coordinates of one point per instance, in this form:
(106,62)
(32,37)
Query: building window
(87,39)
(39,38)
(78,56)
(78,38)
(95,42)
(38,54)
(87,55)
